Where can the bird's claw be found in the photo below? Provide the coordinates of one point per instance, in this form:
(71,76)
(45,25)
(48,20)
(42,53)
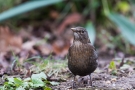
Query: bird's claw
(74,85)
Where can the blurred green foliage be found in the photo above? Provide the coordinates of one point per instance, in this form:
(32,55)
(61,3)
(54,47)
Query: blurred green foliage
(25,7)
(91,31)
(112,65)
(7,4)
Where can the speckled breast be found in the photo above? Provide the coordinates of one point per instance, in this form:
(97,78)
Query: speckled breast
(82,59)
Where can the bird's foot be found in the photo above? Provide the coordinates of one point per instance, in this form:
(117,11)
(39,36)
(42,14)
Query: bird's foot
(73,84)
(82,81)
(89,83)
(85,81)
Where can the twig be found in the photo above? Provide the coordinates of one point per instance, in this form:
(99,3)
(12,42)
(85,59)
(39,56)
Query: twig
(122,63)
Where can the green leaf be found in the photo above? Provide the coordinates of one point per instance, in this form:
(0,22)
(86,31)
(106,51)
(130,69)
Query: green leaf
(125,66)
(54,83)
(10,79)
(20,88)
(1,87)
(112,65)
(105,7)
(47,88)
(114,72)
(18,81)
(25,7)
(27,79)
(27,84)
(126,27)
(38,82)
(91,31)
(37,79)
(40,76)
(123,6)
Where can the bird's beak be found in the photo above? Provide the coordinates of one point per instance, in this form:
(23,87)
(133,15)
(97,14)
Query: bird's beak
(73,29)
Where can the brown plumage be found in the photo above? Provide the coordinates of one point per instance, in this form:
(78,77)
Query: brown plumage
(82,56)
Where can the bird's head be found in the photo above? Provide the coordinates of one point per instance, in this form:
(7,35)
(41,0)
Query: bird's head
(81,34)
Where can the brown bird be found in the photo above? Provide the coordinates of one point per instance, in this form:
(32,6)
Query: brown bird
(82,56)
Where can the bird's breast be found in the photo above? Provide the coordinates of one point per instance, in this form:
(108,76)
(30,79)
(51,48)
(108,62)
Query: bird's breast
(80,54)
(82,58)
(77,43)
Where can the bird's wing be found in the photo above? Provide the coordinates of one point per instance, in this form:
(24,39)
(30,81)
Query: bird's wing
(94,50)
(68,55)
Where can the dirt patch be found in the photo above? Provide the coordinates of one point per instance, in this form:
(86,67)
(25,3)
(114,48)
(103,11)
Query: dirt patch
(101,81)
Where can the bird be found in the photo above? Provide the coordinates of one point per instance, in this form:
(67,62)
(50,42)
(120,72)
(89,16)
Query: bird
(82,55)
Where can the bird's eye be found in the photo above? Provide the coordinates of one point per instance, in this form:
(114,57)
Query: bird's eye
(82,31)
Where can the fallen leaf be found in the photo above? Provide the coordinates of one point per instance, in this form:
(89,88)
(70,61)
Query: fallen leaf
(54,14)
(60,47)
(9,41)
(69,20)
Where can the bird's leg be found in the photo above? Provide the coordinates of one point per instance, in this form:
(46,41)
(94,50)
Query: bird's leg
(73,82)
(90,80)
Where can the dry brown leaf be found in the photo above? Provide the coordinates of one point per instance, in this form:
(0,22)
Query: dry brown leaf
(44,49)
(54,14)
(60,47)
(28,45)
(70,19)
(9,41)
(3,64)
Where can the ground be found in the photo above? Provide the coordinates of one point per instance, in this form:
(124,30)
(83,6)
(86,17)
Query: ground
(123,78)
